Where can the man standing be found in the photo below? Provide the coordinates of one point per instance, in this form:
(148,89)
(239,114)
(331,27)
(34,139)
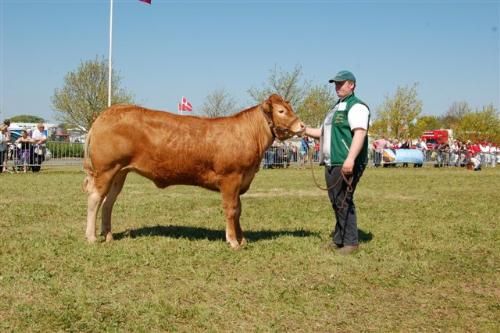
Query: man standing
(39,139)
(344,151)
(379,146)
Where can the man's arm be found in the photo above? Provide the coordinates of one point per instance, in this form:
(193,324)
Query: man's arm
(357,144)
(313,132)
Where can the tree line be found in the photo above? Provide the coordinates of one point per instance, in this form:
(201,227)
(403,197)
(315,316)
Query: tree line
(83,97)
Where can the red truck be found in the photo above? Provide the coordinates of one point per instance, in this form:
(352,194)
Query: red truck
(434,138)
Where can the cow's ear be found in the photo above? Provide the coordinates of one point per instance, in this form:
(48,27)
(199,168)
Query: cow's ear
(267,106)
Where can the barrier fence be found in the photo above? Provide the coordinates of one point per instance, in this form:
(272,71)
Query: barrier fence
(22,158)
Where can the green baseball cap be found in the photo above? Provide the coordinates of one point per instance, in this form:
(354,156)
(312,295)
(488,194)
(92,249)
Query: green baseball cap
(343,76)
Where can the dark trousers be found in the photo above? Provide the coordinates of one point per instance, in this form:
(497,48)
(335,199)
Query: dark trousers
(341,197)
(377,158)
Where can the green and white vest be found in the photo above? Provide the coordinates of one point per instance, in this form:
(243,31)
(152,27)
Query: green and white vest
(337,124)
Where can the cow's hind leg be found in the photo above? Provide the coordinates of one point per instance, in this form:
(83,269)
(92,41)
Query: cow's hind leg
(232,210)
(109,201)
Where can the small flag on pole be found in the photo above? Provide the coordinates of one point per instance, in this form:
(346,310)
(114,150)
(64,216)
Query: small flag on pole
(146,1)
(184,105)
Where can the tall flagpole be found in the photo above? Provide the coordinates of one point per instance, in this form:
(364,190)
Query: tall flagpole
(110,50)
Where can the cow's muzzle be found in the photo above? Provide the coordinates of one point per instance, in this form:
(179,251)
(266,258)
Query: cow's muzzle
(296,127)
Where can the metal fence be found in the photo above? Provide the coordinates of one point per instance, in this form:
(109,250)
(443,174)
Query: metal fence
(22,158)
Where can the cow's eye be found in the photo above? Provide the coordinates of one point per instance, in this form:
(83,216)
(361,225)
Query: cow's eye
(281,111)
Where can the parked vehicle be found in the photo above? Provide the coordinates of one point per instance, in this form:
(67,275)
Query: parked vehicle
(434,138)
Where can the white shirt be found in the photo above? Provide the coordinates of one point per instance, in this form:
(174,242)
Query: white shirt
(37,135)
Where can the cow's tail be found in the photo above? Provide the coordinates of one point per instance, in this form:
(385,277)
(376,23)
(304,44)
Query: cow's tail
(87,163)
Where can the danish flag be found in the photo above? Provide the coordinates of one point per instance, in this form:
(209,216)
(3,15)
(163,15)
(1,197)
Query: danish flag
(184,105)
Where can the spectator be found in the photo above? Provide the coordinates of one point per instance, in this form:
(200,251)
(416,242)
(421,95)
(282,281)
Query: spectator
(454,153)
(4,147)
(489,155)
(422,146)
(25,150)
(476,161)
(39,140)
(303,151)
(379,146)
(405,145)
(442,155)
(493,152)
(484,153)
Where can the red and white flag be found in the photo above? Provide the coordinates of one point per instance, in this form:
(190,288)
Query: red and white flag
(146,1)
(184,105)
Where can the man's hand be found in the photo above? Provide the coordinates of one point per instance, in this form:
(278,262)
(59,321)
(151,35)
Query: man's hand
(347,167)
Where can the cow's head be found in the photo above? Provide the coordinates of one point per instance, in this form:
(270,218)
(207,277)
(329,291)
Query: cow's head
(282,120)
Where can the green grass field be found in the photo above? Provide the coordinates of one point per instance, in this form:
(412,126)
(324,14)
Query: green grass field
(429,258)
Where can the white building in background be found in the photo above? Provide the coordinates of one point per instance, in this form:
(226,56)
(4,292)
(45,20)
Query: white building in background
(74,135)
(30,125)
(50,128)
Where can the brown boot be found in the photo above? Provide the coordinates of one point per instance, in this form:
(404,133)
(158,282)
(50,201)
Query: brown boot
(347,249)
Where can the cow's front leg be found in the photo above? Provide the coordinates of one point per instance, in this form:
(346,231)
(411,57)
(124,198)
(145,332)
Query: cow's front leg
(237,227)
(232,209)
(109,201)
(93,204)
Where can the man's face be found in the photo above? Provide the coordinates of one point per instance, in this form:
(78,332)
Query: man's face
(344,88)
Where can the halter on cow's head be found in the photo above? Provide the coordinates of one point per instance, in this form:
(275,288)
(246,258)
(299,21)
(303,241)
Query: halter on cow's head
(281,119)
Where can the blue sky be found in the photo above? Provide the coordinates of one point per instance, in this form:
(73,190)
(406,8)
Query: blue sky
(174,48)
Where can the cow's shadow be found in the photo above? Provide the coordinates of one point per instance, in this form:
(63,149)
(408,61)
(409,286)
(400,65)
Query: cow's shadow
(193,233)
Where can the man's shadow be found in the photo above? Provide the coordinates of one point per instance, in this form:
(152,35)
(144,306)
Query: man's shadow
(194,233)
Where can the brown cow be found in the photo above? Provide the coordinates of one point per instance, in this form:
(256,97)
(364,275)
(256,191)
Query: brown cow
(220,154)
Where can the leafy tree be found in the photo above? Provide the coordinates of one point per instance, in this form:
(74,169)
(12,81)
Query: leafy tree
(454,115)
(481,125)
(310,103)
(85,93)
(399,113)
(26,118)
(316,104)
(378,128)
(286,84)
(219,103)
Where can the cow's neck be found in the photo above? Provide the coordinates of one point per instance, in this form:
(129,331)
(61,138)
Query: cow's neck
(260,128)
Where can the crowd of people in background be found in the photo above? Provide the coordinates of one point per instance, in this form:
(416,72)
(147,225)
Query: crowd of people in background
(454,153)
(27,152)
(299,152)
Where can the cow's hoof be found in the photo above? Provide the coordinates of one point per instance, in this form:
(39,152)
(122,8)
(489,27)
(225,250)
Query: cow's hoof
(234,244)
(91,239)
(109,237)
(237,244)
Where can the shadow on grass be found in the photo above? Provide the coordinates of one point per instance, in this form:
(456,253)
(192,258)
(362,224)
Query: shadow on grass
(364,237)
(193,233)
